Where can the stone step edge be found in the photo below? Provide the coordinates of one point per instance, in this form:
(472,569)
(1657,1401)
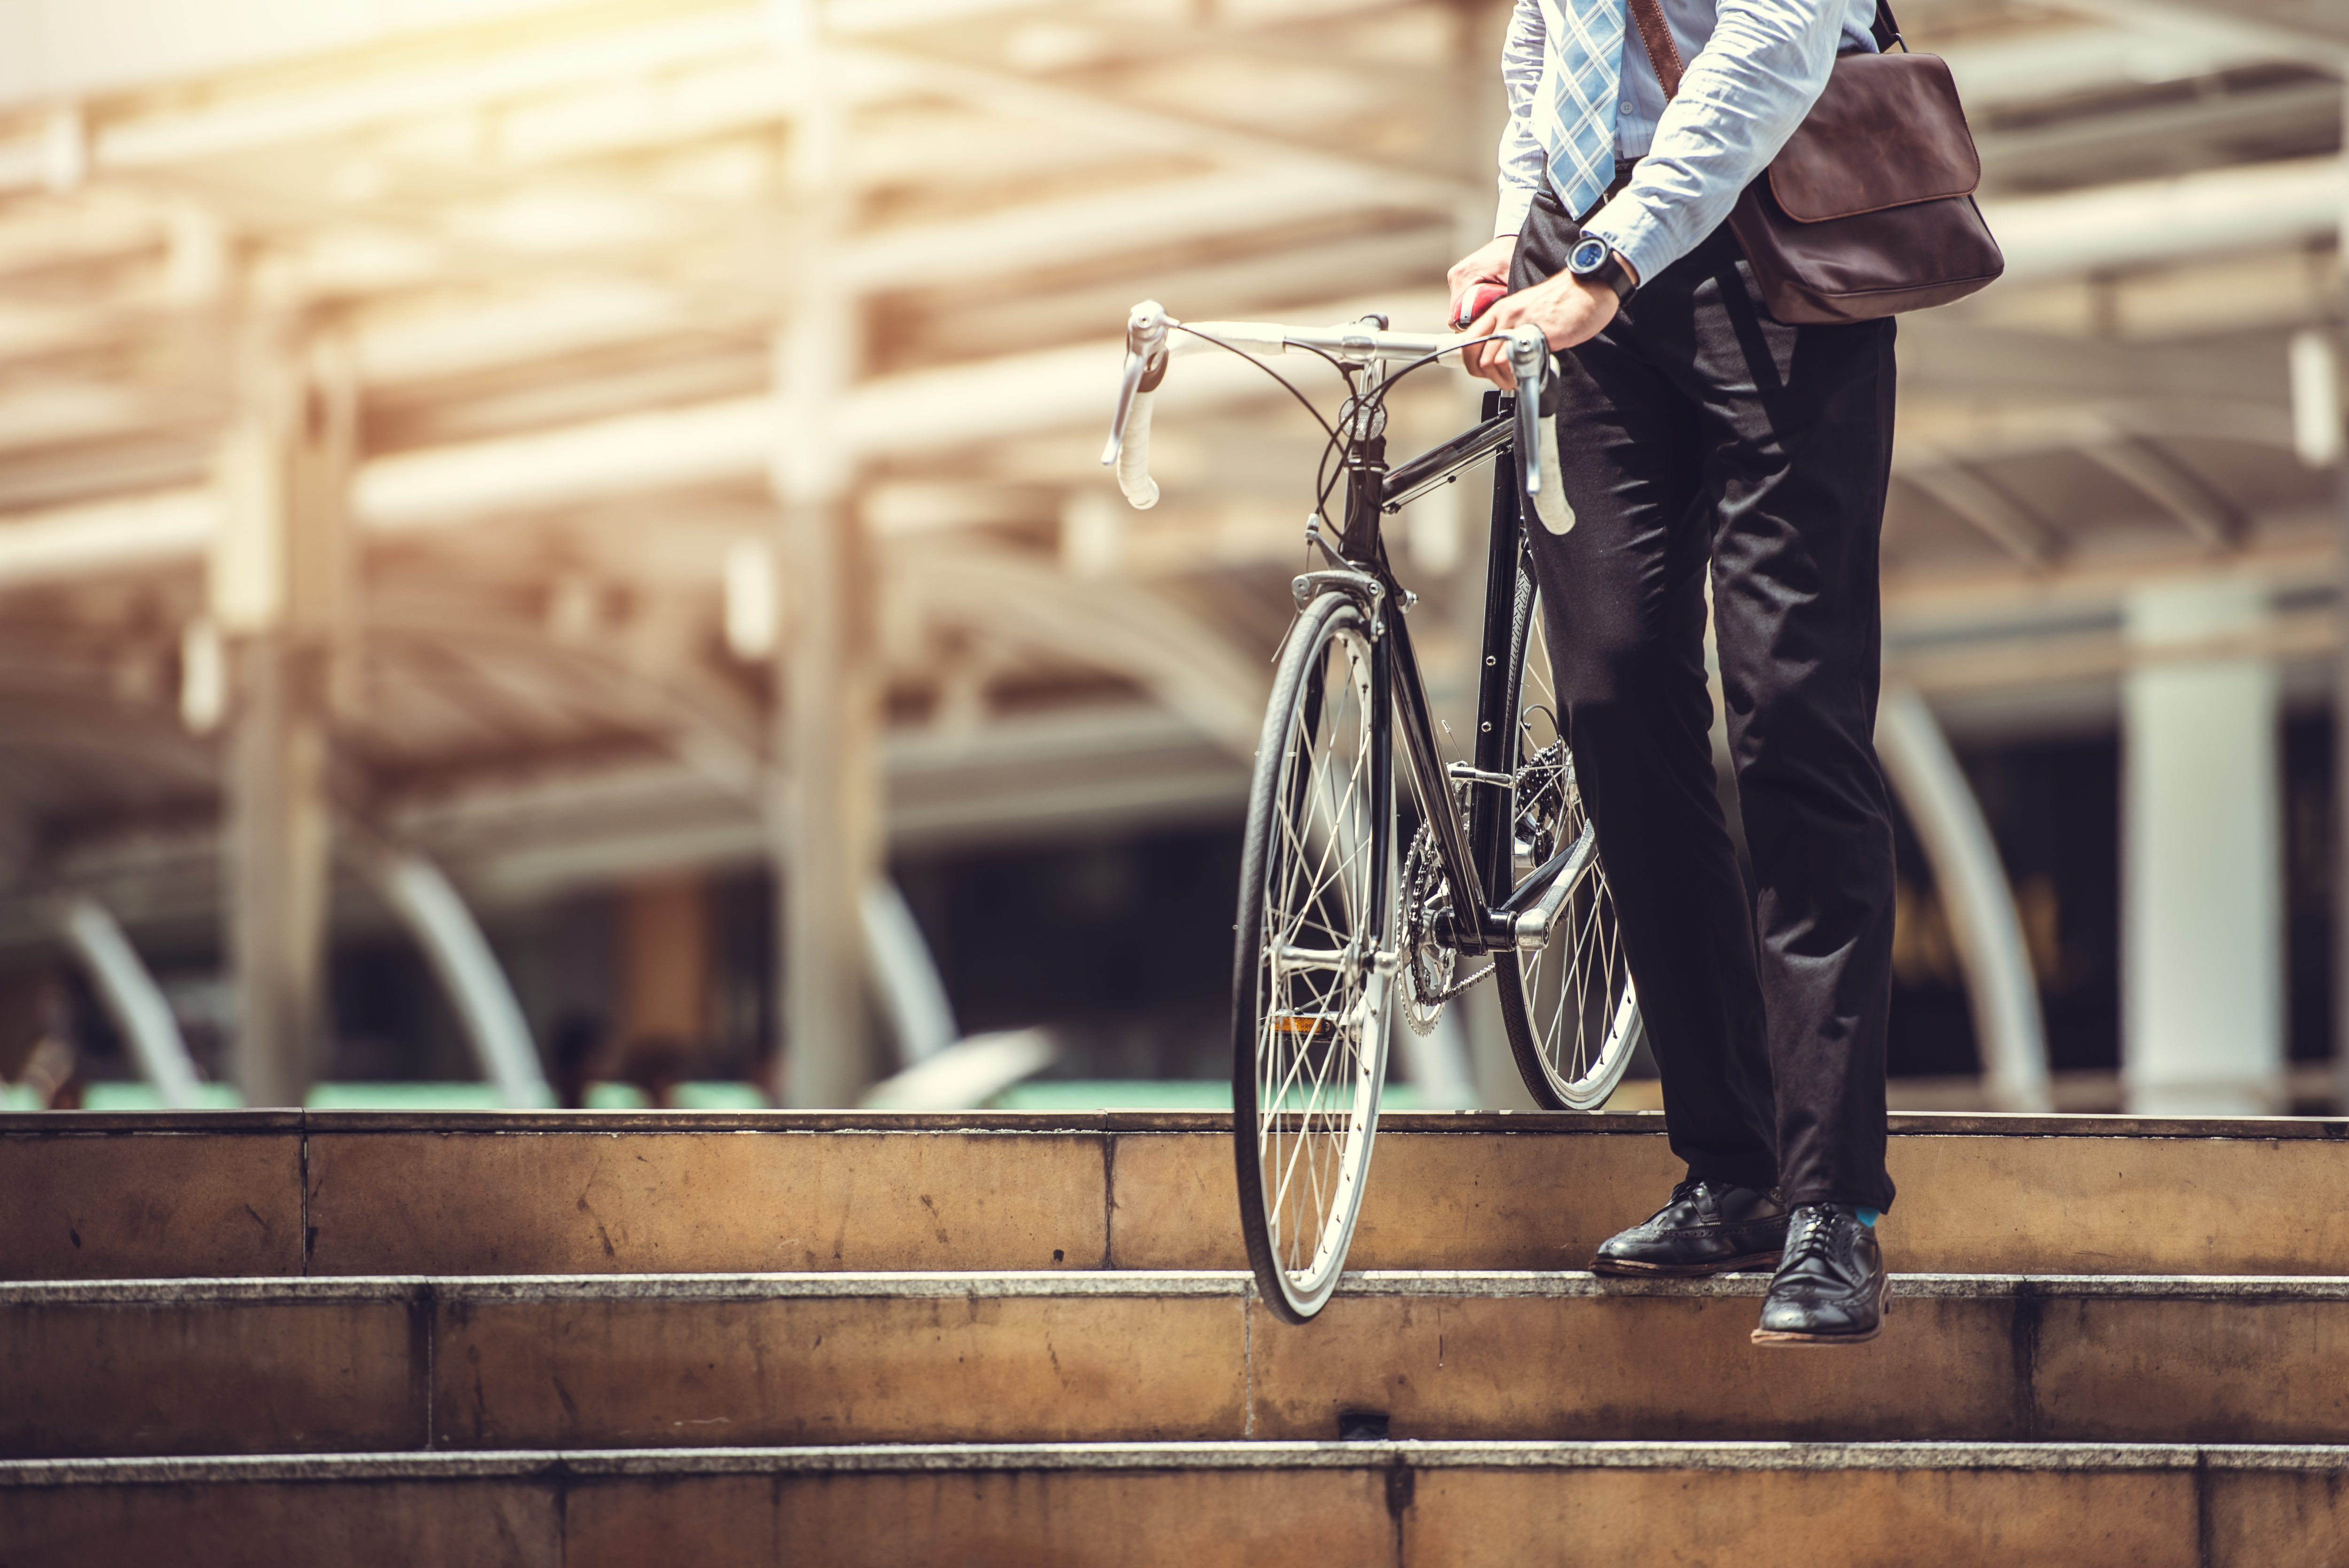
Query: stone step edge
(1131,1284)
(1650,1123)
(1407,1453)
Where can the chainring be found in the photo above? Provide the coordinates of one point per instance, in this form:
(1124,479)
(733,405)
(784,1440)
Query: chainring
(1428,972)
(1428,966)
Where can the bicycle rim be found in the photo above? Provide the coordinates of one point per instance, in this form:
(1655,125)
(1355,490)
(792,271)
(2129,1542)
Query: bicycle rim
(1311,994)
(1569,1007)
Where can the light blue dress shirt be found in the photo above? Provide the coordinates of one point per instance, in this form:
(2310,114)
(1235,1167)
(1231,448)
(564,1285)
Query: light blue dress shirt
(1753,70)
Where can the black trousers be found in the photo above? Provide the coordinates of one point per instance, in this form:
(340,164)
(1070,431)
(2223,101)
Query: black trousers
(1698,435)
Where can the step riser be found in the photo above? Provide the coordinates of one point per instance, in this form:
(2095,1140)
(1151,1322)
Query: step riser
(226,1377)
(198,1204)
(1418,1519)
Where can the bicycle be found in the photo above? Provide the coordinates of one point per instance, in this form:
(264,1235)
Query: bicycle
(1504,862)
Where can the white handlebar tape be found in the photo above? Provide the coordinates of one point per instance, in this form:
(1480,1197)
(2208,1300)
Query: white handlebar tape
(1134,458)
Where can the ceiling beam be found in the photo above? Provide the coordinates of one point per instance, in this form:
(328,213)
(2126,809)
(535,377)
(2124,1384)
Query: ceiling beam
(2318,36)
(730,441)
(137,533)
(1179,659)
(1083,114)
(2284,549)
(1152,215)
(2161,480)
(2042,236)
(2014,69)
(2015,664)
(2092,148)
(2150,222)
(1991,511)
(1955,358)
(235,122)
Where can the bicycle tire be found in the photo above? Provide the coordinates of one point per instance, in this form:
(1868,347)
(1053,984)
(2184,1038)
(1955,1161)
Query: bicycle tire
(1315,950)
(1570,1007)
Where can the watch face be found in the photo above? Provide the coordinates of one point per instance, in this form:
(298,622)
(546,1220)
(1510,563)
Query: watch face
(1588,255)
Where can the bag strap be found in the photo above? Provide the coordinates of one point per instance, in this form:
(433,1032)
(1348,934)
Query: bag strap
(1656,37)
(1886,29)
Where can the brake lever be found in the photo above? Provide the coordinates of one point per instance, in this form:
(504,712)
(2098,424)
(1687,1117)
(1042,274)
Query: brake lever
(1146,366)
(1528,351)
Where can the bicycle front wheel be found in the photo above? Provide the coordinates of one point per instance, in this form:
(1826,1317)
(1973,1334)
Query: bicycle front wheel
(1568,1005)
(1312,968)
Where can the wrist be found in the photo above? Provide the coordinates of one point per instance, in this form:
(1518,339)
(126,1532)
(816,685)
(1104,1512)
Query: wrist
(1598,294)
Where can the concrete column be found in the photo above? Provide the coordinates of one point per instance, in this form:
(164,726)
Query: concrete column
(277,594)
(665,943)
(826,831)
(2201,894)
(824,824)
(277,845)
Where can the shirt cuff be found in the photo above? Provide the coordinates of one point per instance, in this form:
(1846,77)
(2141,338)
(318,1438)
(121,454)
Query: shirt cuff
(1517,200)
(1636,235)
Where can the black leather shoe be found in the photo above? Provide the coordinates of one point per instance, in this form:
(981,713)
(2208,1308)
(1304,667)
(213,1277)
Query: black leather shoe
(1706,1229)
(1831,1289)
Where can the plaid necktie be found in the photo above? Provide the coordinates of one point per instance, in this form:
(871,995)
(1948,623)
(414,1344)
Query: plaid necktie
(1574,113)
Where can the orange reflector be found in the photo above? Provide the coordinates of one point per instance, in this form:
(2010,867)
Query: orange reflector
(1294,1024)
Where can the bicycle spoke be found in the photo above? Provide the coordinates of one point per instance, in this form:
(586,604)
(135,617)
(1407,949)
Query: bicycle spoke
(1569,1004)
(1315,964)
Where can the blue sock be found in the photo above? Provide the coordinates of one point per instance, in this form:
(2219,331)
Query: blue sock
(1868,1216)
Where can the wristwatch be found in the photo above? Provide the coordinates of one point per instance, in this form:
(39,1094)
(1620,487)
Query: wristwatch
(1594,260)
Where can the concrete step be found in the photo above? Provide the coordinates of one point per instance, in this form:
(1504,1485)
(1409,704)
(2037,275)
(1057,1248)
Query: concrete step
(356,1192)
(360,1365)
(1413,1505)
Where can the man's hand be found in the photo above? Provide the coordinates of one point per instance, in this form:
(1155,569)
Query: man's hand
(1487,265)
(1568,310)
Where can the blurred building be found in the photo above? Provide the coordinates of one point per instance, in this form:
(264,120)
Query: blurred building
(565,542)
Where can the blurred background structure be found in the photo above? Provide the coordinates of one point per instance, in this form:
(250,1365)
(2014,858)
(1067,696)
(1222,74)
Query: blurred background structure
(546,548)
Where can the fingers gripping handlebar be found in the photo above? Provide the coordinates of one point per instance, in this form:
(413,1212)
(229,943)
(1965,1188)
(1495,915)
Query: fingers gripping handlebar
(1149,346)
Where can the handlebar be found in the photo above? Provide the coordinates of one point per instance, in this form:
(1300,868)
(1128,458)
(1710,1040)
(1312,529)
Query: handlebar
(1151,345)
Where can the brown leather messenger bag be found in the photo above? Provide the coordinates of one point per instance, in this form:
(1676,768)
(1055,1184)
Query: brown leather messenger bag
(1869,209)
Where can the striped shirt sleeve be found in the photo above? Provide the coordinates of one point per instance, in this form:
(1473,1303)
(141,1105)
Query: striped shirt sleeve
(1740,100)
(1522,160)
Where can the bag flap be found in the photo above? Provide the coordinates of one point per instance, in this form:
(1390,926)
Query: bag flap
(1887,131)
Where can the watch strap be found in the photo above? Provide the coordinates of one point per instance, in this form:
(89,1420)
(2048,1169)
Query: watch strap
(1612,273)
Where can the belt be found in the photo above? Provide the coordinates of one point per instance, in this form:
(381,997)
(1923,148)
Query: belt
(1548,197)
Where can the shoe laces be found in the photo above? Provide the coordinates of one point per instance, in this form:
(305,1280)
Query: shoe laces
(1811,1242)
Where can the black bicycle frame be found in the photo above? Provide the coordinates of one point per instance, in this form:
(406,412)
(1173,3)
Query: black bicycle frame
(1475,854)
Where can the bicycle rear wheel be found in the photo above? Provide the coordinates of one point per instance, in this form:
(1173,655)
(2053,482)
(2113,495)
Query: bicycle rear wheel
(1312,969)
(1568,1005)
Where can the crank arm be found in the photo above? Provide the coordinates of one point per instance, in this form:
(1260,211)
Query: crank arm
(1525,918)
